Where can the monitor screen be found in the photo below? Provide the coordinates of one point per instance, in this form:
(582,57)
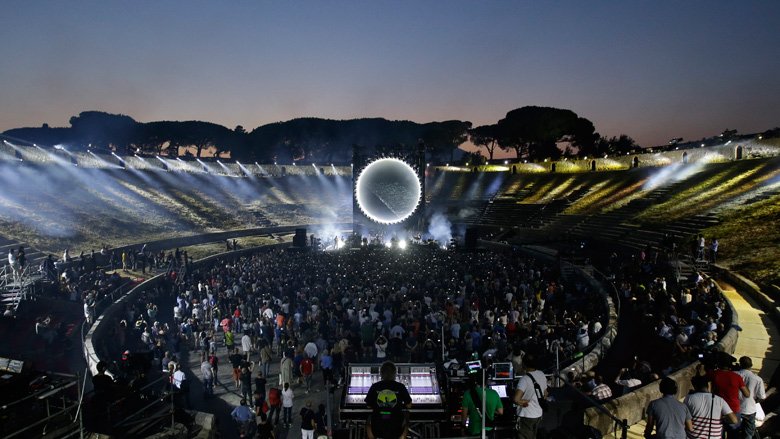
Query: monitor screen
(502,371)
(473,366)
(500,389)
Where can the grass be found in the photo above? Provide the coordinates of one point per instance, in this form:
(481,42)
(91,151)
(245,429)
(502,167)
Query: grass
(749,240)
(203,250)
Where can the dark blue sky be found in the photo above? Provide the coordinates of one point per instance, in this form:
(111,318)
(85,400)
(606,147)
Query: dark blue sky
(653,69)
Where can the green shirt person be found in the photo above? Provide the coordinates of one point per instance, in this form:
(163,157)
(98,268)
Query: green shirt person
(472,408)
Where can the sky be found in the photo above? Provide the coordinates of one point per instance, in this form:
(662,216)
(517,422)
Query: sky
(654,70)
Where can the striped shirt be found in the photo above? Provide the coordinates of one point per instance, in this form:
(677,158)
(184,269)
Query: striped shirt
(701,405)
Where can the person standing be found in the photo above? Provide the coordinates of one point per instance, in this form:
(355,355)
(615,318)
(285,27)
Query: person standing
(747,404)
(244,418)
(260,383)
(236,359)
(529,397)
(287,404)
(207,371)
(381,347)
(472,408)
(326,365)
(670,418)
(728,385)
(714,250)
(230,339)
(246,345)
(307,371)
(389,402)
(181,385)
(707,410)
(265,429)
(285,370)
(265,358)
(214,361)
(274,404)
(308,422)
(246,381)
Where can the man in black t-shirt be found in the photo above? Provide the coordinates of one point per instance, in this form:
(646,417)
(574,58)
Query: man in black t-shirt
(308,423)
(390,403)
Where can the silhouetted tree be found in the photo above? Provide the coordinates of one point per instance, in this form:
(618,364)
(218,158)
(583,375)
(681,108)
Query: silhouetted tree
(485,136)
(104,130)
(443,138)
(534,132)
(615,145)
(472,159)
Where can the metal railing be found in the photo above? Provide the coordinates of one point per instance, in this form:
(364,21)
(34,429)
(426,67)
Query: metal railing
(618,423)
(46,395)
(20,282)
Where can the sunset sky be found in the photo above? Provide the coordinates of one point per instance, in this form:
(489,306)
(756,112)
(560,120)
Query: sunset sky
(652,69)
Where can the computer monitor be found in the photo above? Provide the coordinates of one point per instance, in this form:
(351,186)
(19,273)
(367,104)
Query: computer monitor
(473,366)
(503,371)
(500,389)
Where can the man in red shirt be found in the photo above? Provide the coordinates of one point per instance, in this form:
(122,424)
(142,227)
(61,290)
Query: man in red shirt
(727,384)
(307,369)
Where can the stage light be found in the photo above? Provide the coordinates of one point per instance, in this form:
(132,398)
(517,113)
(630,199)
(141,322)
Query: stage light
(702,145)
(506,162)
(402,244)
(467,163)
(388,244)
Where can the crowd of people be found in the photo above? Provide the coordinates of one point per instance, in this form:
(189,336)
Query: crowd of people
(308,311)
(678,320)
(723,402)
(318,311)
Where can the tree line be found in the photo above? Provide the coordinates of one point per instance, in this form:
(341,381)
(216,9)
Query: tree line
(532,133)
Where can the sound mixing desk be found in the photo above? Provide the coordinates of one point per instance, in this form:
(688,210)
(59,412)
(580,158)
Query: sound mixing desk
(420,380)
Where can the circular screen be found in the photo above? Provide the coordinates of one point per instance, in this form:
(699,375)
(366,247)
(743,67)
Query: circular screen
(388,190)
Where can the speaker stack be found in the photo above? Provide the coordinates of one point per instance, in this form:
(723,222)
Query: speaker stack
(299,240)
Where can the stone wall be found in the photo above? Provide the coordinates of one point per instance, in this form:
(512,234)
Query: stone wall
(708,154)
(768,300)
